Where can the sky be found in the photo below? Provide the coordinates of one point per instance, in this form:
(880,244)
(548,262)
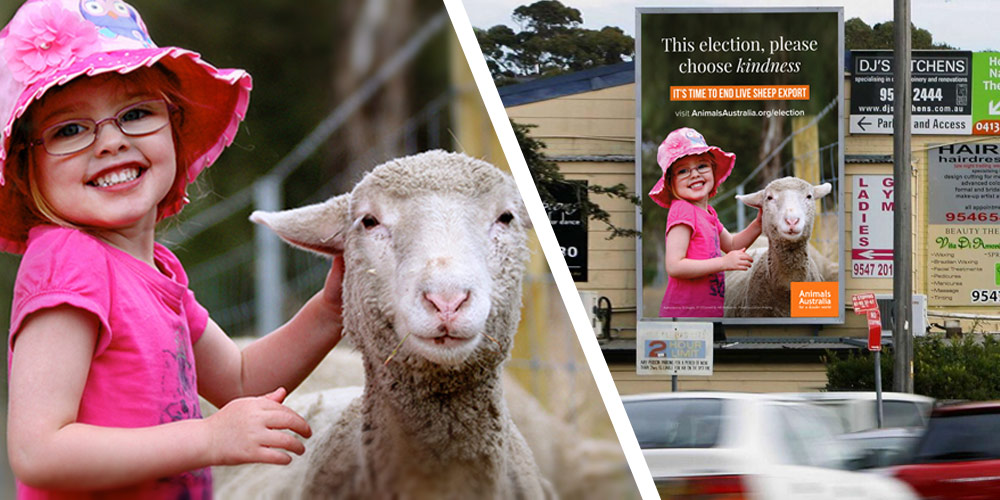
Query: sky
(963,24)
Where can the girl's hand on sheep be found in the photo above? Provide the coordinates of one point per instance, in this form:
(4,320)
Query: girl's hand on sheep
(250,430)
(737,260)
(333,287)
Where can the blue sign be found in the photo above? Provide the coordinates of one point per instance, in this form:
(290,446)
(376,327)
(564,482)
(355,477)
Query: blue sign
(675,349)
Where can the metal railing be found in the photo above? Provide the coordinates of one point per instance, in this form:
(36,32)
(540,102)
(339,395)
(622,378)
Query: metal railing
(245,287)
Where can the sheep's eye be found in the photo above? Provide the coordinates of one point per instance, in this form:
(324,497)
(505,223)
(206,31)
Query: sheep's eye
(505,218)
(769,197)
(369,221)
(809,196)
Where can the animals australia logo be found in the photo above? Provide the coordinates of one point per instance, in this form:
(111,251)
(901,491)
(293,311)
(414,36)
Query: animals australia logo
(115,18)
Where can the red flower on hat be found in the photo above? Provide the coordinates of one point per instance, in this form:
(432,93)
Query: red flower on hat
(45,37)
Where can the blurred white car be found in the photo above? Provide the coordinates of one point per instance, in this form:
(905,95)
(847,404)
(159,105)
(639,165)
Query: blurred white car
(857,410)
(709,445)
(880,447)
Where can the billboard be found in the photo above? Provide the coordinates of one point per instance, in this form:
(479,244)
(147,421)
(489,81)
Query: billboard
(764,85)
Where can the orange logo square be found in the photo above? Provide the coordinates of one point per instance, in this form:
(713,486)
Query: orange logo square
(815,299)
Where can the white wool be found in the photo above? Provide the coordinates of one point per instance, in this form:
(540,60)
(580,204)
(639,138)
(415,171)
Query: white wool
(577,466)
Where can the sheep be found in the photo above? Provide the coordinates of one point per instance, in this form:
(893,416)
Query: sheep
(435,249)
(788,207)
(577,465)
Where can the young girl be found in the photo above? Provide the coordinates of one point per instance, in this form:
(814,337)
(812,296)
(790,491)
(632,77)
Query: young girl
(108,348)
(698,248)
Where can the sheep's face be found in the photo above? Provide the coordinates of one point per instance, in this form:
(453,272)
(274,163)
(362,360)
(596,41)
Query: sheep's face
(437,236)
(427,256)
(788,206)
(434,247)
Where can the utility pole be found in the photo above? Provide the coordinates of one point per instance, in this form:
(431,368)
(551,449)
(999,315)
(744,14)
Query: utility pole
(902,282)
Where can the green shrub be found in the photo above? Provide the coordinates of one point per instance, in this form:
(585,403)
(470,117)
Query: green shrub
(856,371)
(963,368)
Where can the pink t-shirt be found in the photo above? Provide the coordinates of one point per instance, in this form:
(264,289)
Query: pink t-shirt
(143,370)
(700,297)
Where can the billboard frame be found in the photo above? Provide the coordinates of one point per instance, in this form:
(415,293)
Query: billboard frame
(641,189)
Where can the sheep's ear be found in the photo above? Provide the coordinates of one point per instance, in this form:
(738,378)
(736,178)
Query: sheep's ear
(822,190)
(318,228)
(755,200)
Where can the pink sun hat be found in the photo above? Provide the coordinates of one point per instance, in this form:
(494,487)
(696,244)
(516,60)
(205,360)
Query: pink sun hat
(685,142)
(48,43)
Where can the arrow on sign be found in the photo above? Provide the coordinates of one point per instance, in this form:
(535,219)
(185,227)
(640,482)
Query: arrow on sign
(862,122)
(872,254)
(994,108)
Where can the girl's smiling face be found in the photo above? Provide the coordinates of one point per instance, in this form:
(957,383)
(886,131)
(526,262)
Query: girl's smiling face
(693,178)
(118,181)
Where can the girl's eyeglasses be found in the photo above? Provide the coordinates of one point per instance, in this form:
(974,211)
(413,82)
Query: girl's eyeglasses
(73,136)
(684,173)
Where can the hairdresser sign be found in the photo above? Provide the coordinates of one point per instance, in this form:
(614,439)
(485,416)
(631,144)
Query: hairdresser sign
(963,225)
(728,100)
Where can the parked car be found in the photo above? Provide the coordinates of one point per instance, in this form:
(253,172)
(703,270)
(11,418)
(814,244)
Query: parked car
(959,455)
(880,447)
(858,410)
(752,446)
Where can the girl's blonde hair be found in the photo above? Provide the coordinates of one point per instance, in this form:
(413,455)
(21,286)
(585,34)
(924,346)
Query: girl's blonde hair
(20,163)
(668,176)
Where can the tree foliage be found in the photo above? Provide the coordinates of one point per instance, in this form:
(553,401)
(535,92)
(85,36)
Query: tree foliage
(548,178)
(550,41)
(858,35)
(963,368)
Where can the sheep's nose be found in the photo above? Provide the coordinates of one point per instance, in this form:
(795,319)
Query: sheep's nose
(792,221)
(446,304)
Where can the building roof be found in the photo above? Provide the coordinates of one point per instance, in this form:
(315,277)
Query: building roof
(588,80)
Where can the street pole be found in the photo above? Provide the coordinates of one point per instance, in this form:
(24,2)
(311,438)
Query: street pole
(878,385)
(902,286)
